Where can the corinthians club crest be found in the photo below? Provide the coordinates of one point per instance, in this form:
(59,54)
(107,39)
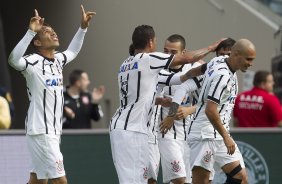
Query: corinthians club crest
(256,166)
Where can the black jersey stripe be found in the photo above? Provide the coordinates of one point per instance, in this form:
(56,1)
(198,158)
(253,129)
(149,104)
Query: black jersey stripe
(158,57)
(174,134)
(65,59)
(184,128)
(156,67)
(127,117)
(161,116)
(164,74)
(62,108)
(117,119)
(55,105)
(217,84)
(59,72)
(125,98)
(189,130)
(51,69)
(43,67)
(137,98)
(168,79)
(44,110)
(138,86)
(155,117)
(197,82)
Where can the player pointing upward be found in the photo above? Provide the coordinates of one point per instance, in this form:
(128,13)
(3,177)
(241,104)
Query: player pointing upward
(43,73)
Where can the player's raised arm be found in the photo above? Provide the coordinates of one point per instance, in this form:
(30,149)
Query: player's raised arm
(15,58)
(77,41)
(193,56)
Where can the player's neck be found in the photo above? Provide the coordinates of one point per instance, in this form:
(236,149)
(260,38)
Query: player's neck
(146,50)
(47,53)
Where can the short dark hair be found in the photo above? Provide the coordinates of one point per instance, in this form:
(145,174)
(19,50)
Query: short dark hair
(260,77)
(177,38)
(227,43)
(131,49)
(74,76)
(142,35)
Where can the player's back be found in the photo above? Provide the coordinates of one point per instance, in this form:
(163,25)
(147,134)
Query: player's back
(137,80)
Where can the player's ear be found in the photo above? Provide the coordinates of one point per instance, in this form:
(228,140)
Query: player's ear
(151,43)
(37,43)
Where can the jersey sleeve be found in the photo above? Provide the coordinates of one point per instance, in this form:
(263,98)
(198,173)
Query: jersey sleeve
(73,48)
(16,59)
(218,85)
(186,87)
(159,61)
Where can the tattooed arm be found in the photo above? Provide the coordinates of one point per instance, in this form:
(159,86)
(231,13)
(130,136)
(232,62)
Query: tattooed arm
(167,123)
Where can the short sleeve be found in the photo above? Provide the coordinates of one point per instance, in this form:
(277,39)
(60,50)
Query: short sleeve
(160,60)
(218,85)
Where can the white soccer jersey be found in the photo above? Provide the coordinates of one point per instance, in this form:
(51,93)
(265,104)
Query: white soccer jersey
(165,78)
(44,80)
(220,86)
(138,78)
(179,129)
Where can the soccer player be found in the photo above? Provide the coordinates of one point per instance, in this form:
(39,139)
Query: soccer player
(173,147)
(209,139)
(137,80)
(43,73)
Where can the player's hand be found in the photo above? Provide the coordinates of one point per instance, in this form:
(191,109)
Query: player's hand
(215,44)
(36,22)
(230,145)
(183,112)
(86,17)
(166,124)
(98,93)
(69,112)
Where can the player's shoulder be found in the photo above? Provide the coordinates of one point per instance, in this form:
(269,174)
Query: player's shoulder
(32,58)
(158,55)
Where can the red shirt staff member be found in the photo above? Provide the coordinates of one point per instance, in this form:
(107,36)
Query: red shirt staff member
(258,107)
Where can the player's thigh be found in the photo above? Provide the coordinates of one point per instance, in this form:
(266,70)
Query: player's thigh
(229,162)
(202,154)
(200,175)
(223,159)
(130,155)
(60,180)
(172,159)
(154,161)
(46,157)
(33,180)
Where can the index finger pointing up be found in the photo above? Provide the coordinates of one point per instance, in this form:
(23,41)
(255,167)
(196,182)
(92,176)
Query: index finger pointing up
(82,9)
(36,13)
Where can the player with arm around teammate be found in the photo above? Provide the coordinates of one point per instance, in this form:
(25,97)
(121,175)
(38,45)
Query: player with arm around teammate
(209,138)
(43,73)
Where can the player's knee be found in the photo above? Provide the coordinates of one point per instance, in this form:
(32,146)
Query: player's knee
(236,176)
(152,181)
(178,180)
(61,180)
